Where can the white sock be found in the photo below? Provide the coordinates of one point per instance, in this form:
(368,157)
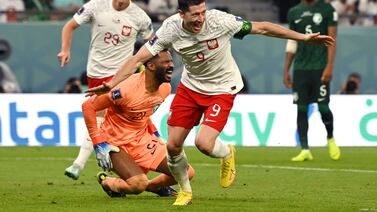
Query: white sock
(220,150)
(86,148)
(178,167)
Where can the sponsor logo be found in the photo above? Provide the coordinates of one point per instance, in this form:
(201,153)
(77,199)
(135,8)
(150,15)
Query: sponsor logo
(156,107)
(321,99)
(209,120)
(115,94)
(298,21)
(117,21)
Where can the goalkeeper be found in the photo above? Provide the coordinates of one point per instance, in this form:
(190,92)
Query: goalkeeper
(124,143)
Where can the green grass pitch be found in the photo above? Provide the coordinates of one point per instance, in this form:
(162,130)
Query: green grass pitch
(32,179)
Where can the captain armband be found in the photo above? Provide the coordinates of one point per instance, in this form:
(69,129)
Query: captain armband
(291,46)
(245,30)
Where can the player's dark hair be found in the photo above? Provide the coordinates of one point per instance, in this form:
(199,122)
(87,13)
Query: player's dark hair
(154,58)
(184,5)
(354,75)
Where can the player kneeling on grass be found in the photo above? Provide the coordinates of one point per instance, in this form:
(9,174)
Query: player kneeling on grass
(124,144)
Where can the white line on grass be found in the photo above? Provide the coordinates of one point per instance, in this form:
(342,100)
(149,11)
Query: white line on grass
(210,164)
(295,168)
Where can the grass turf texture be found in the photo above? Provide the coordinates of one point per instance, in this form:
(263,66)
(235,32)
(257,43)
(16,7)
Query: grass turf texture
(32,180)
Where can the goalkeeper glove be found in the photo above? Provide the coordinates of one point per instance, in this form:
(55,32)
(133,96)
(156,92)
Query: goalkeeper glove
(103,155)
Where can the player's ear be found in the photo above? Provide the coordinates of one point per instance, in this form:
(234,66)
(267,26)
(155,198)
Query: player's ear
(151,66)
(181,13)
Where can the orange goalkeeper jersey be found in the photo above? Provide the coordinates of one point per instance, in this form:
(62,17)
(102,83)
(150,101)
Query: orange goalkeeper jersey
(129,107)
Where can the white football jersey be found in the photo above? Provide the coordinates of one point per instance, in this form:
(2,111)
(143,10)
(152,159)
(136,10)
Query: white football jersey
(114,34)
(209,67)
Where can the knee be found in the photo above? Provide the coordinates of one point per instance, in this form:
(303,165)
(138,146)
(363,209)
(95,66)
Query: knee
(173,147)
(138,183)
(204,145)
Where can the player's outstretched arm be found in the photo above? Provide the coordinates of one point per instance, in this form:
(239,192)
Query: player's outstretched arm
(123,73)
(64,55)
(274,30)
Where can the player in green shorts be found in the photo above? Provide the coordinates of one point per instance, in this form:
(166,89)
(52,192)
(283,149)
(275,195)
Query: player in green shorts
(313,68)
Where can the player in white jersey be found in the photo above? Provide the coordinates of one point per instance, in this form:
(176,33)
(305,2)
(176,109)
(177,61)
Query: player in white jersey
(209,83)
(115,27)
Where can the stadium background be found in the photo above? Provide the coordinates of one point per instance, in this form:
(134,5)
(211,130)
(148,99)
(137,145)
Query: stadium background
(261,59)
(32,177)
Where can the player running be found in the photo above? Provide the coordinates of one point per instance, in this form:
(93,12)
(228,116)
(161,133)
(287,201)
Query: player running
(209,83)
(116,24)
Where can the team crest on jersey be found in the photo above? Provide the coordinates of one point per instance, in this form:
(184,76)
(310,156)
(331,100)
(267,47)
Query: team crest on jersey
(153,40)
(80,11)
(115,94)
(317,18)
(126,30)
(212,44)
(156,107)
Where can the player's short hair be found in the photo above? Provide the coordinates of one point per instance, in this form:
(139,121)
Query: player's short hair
(354,75)
(184,5)
(154,58)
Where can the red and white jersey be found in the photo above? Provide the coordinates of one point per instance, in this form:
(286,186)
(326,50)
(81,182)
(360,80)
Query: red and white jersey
(209,67)
(114,34)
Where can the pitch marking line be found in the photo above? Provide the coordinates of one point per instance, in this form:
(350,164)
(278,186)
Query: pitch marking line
(296,168)
(213,165)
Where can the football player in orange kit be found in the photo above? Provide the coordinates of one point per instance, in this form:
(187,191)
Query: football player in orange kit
(124,144)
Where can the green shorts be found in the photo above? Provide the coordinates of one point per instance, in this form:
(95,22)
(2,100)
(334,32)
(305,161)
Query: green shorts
(308,88)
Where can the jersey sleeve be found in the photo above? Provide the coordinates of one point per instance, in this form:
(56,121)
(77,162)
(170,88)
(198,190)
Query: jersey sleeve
(232,24)
(89,109)
(85,13)
(291,23)
(146,28)
(161,40)
(332,16)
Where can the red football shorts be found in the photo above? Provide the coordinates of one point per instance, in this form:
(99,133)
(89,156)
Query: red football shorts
(94,82)
(188,107)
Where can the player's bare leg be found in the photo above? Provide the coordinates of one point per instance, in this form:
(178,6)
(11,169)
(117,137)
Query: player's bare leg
(208,143)
(178,164)
(132,179)
(161,184)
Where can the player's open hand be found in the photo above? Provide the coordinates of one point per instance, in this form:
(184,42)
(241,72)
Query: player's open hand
(316,38)
(101,89)
(64,57)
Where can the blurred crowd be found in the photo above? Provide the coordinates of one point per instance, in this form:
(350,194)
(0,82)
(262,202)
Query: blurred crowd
(351,12)
(58,10)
